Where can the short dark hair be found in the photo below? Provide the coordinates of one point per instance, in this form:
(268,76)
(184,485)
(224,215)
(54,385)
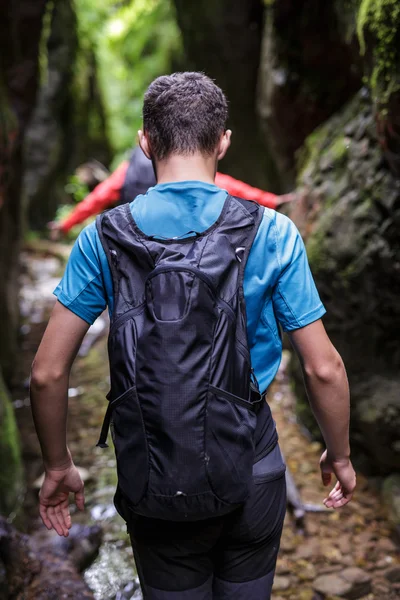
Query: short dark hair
(184,113)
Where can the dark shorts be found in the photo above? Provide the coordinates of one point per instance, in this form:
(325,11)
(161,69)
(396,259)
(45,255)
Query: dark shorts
(231,557)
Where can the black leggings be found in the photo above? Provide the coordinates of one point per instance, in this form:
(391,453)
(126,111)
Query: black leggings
(231,557)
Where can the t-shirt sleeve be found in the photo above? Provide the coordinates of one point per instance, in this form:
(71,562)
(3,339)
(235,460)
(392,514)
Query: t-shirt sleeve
(295,298)
(82,289)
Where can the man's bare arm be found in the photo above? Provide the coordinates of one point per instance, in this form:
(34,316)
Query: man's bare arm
(49,383)
(49,400)
(328,392)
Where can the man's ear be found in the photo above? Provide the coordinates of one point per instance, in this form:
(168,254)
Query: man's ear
(224,144)
(144,143)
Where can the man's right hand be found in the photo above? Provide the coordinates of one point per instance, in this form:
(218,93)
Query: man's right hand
(284,198)
(343,470)
(55,230)
(54,497)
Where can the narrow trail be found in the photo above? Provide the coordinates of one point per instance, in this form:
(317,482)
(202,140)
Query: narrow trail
(343,554)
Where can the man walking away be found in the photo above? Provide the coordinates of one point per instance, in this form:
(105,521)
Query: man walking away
(197,283)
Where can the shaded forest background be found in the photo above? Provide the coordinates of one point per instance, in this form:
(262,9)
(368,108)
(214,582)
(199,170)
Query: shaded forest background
(314,91)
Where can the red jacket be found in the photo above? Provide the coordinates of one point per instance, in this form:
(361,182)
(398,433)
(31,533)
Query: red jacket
(108,192)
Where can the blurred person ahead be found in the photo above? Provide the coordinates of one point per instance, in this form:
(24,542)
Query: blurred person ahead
(135,177)
(198,284)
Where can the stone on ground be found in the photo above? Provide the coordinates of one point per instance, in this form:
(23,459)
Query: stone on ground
(352,583)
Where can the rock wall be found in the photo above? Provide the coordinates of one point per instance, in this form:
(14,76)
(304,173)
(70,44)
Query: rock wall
(342,148)
(349,214)
(378,29)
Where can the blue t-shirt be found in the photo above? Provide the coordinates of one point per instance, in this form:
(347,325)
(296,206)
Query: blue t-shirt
(278,286)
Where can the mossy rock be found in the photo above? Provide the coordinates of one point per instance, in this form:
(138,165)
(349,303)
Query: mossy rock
(349,214)
(378,29)
(11,474)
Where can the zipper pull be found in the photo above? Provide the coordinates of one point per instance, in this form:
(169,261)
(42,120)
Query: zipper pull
(114,257)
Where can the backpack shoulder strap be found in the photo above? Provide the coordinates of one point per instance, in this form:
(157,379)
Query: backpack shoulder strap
(252,207)
(139,176)
(256,212)
(128,257)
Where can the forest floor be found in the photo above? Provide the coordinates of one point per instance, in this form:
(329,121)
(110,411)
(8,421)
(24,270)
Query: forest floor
(341,554)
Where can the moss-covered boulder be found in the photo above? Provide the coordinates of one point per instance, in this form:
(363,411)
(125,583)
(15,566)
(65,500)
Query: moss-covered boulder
(349,214)
(10,459)
(378,29)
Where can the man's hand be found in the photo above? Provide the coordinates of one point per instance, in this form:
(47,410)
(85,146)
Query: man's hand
(49,401)
(54,497)
(343,470)
(55,230)
(284,198)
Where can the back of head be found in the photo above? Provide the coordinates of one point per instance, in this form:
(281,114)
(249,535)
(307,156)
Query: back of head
(184,113)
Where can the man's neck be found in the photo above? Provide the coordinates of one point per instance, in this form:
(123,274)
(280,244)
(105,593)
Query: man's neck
(186,168)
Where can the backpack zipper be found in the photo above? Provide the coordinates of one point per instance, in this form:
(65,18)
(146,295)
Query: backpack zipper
(132,312)
(235,399)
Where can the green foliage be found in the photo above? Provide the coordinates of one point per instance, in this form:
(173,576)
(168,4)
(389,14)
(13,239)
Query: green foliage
(77,191)
(76,188)
(134,41)
(379,22)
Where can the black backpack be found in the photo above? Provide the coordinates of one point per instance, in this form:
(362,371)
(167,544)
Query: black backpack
(183,401)
(139,176)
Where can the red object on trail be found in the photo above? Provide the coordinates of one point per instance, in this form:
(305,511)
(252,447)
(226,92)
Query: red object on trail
(108,193)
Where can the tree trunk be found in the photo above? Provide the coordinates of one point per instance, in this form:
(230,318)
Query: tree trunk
(310,67)
(223,39)
(11,476)
(68,123)
(20,29)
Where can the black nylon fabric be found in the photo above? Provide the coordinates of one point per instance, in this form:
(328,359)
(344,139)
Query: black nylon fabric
(182,409)
(232,556)
(139,176)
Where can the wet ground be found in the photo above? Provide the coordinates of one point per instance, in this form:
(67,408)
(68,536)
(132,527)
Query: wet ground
(343,554)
